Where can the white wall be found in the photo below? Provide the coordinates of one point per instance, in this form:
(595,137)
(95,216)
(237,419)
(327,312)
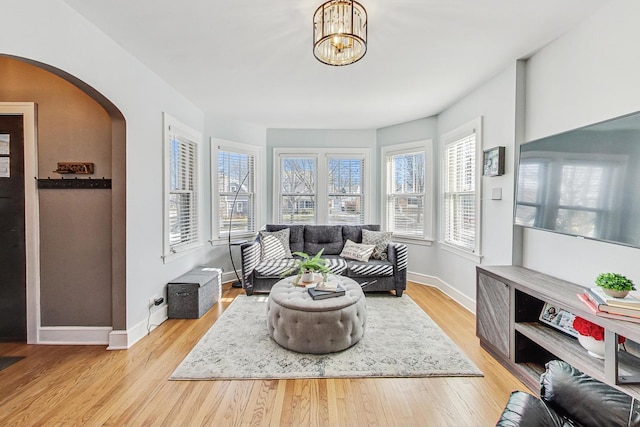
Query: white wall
(51,32)
(588,75)
(495,102)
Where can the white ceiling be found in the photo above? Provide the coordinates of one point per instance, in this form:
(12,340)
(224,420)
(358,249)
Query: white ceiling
(251,61)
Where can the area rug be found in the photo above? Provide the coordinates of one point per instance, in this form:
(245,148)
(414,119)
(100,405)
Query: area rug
(6,361)
(400,340)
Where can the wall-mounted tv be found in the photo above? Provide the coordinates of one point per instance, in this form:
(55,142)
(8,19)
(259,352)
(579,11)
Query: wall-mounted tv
(585,182)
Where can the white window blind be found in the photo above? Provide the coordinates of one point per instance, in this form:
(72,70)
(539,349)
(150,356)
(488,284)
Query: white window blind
(345,190)
(406,194)
(183,195)
(321,186)
(236,191)
(298,190)
(460,193)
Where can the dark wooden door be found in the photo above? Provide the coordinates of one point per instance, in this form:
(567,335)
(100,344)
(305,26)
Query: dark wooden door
(13,305)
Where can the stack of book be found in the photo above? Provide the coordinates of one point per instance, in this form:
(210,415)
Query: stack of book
(601,304)
(324,294)
(330,288)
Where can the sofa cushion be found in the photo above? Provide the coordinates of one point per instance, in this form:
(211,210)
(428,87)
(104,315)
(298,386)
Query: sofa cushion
(296,235)
(354,232)
(317,237)
(525,410)
(370,268)
(336,264)
(357,251)
(379,238)
(274,244)
(586,400)
(274,268)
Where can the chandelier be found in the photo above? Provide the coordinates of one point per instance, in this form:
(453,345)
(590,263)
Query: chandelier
(340,32)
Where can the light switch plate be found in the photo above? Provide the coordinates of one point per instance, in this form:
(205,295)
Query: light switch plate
(496,193)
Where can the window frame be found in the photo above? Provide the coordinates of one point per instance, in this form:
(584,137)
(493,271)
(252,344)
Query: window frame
(218,145)
(391,151)
(322,157)
(173,126)
(449,138)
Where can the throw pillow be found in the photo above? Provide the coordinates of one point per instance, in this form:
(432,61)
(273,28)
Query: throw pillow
(274,245)
(378,238)
(357,251)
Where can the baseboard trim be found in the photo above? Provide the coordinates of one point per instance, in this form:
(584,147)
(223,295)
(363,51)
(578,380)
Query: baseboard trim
(74,335)
(449,290)
(139,331)
(118,340)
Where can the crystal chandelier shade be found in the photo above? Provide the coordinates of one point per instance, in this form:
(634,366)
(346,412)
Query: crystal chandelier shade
(340,32)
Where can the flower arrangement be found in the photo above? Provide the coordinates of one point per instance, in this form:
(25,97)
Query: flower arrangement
(589,329)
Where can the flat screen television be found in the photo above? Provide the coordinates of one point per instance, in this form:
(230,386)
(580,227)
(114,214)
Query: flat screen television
(585,182)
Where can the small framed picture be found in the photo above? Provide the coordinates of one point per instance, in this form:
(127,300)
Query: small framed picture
(558,318)
(493,164)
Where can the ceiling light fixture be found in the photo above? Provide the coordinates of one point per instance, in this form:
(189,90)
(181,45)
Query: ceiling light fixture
(340,32)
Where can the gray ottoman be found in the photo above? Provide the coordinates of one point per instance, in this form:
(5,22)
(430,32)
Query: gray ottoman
(299,323)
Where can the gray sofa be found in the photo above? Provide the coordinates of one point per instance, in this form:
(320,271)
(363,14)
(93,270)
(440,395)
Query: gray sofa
(260,275)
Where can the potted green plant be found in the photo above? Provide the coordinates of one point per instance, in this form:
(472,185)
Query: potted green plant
(614,284)
(307,266)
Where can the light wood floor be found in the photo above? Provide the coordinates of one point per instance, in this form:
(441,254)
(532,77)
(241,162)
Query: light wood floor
(89,386)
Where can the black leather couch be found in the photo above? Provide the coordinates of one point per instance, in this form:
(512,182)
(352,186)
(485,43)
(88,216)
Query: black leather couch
(374,275)
(570,398)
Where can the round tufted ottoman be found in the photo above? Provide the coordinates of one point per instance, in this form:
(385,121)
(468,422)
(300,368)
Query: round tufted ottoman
(299,323)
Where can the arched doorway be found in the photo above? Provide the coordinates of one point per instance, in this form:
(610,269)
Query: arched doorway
(77,289)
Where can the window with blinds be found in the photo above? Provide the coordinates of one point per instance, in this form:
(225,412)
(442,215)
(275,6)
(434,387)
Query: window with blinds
(459,217)
(406,193)
(182,210)
(345,190)
(236,192)
(298,190)
(321,186)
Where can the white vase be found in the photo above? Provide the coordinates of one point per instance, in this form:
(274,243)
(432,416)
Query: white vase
(594,347)
(308,277)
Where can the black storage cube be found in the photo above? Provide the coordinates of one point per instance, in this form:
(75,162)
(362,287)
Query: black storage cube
(194,293)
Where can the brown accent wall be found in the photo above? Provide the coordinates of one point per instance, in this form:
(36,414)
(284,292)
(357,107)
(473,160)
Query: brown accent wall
(75,225)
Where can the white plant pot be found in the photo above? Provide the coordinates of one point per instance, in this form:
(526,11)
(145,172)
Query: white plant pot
(594,347)
(308,277)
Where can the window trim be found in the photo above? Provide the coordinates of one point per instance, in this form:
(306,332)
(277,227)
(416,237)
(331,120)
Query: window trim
(322,156)
(387,151)
(448,138)
(172,125)
(218,145)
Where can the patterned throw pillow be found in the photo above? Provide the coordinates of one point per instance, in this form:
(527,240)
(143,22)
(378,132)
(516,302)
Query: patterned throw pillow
(274,245)
(378,238)
(357,251)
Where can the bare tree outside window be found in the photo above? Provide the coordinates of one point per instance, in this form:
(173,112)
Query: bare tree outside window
(298,190)
(405,197)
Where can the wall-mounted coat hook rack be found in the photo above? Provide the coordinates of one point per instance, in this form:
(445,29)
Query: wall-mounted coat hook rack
(74,183)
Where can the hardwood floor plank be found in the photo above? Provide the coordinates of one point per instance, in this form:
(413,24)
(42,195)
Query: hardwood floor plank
(89,386)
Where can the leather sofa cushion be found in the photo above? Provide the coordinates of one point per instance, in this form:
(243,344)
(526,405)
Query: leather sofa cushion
(317,237)
(296,235)
(586,400)
(525,410)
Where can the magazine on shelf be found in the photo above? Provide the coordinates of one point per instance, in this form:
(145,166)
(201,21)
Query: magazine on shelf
(586,299)
(630,301)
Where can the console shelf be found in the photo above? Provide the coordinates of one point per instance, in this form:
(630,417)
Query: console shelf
(509,302)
